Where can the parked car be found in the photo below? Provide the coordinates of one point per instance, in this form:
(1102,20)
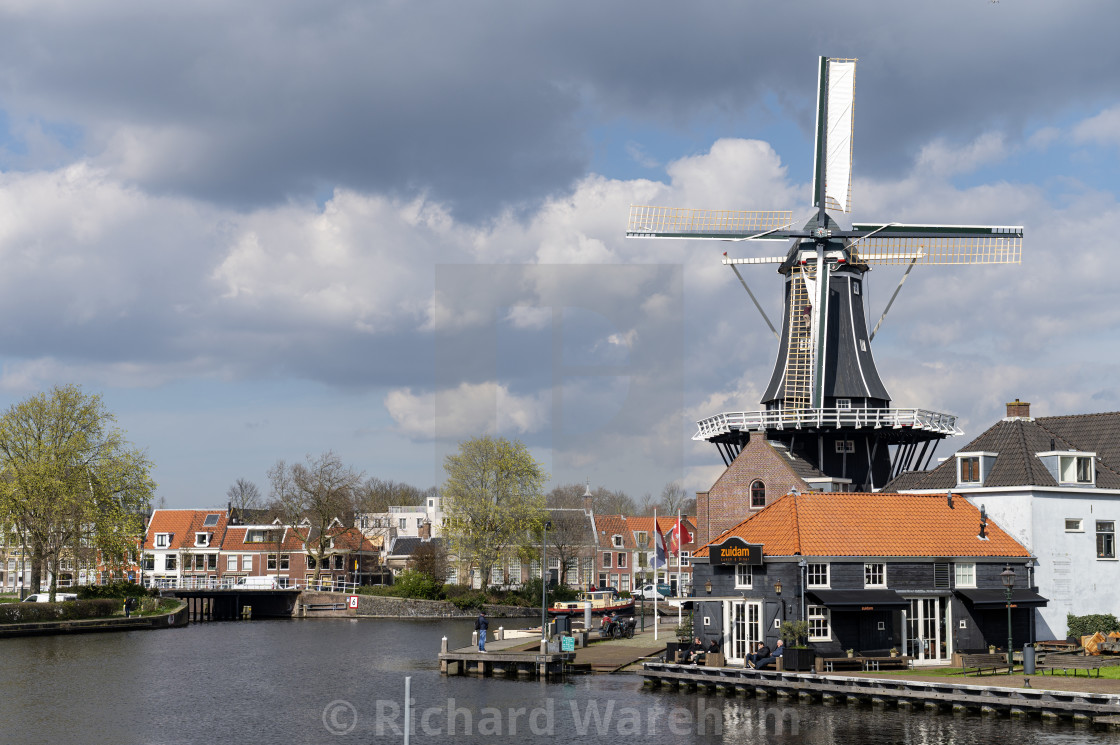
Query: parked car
(45,597)
(257,583)
(647,592)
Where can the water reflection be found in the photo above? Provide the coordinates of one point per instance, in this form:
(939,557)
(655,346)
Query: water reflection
(342,681)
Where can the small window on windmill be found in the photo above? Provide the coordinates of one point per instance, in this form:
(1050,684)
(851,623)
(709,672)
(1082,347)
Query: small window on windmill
(843,403)
(862,345)
(855,288)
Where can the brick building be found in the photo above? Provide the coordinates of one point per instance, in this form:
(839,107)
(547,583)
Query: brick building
(762,472)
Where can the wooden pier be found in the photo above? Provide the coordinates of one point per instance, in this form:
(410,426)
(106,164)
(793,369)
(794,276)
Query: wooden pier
(1077,706)
(515,658)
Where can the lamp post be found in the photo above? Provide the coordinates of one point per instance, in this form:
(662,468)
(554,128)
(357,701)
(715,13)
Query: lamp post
(544,581)
(1008,577)
(778,592)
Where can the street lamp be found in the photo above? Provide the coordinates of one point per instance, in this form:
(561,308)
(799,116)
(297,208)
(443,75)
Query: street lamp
(544,582)
(708,587)
(1008,577)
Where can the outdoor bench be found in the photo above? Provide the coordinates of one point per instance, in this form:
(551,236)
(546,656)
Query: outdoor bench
(981,662)
(1075,662)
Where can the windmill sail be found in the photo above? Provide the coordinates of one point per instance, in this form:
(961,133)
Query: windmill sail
(836,91)
(676,222)
(937,244)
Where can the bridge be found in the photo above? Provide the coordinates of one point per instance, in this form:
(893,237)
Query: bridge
(228,604)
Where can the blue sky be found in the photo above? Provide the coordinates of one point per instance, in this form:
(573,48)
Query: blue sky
(267,230)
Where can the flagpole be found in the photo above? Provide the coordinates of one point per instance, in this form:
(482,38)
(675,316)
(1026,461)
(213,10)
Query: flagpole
(680,576)
(655,592)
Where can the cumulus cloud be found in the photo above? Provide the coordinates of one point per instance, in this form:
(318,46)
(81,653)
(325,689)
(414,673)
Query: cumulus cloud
(468,410)
(1102,129)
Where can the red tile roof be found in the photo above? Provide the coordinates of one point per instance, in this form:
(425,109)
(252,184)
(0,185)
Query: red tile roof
(608,526)
(879,524)
(182,525)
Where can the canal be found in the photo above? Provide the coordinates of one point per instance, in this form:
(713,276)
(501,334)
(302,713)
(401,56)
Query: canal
(342,681)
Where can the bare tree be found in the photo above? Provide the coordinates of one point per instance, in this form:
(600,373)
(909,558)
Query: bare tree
(673,497)
(430,558)
(312,496)
(566,496)
(608,502)
(569,539)
(244,495)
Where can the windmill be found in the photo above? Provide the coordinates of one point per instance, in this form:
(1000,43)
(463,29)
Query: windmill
(825,400)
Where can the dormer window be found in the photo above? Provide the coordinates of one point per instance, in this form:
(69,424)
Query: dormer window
(616,541)
(1075,469)
(202,540)
(973,468)
(163,540)
(643,539)
(1070,467)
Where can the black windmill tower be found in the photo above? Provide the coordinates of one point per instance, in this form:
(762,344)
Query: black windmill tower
(825,401)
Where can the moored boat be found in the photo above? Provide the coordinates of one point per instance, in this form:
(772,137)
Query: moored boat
(602,601)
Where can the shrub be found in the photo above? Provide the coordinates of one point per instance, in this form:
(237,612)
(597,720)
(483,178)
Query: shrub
(1079,626)
(472,600)
(411,584)
(120,589)
(73,610)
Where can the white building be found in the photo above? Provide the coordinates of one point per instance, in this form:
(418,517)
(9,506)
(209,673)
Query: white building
(1053,483)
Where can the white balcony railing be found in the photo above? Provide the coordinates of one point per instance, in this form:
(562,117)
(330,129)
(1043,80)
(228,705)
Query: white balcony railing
(758,421)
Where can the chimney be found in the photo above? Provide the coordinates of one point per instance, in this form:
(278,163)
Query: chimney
(1018,410)
(587,498)
(425,530)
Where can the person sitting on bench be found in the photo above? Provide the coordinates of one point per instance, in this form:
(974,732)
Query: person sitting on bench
(769,660)
(696,652)
(760,652)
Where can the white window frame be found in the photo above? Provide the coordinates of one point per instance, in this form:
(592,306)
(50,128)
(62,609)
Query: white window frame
(744,577)
(818,615)
(247,563)
(163,540)
(621,562)
(1072,464)
(607,560)
(1075,525)
(867,567)
(1109,529)
(843,403)
(685,558)
(964,574)
(979,479)
(616,541)
(231,563)
(809,575)
(202,540)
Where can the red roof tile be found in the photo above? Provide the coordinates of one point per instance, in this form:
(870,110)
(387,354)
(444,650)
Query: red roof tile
(879,524)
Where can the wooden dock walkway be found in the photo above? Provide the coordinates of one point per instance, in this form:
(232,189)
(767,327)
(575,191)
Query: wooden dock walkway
(948,695)
(522,657)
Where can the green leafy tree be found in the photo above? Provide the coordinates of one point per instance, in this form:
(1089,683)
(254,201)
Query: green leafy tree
(71,481)
(494,500)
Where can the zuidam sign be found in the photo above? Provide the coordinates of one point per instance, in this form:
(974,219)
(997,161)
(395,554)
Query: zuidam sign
(735,551)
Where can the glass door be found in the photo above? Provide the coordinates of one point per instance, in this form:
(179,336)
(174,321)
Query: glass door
(926,628)
(743,624)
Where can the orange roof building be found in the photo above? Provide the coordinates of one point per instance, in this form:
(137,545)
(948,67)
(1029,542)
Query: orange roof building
(922,574)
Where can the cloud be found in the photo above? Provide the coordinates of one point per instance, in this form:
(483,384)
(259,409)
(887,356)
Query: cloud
(1102,129)
(939,158)
(468,410)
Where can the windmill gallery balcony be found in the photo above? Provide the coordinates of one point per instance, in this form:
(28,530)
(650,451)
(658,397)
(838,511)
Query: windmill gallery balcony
(713,428)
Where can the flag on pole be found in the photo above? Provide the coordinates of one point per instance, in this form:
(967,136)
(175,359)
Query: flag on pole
(678,536)
(659,544)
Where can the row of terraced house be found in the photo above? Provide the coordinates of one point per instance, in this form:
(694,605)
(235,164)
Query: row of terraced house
(219,547)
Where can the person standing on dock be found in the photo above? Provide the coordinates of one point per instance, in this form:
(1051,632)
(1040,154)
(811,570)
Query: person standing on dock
(480,625)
